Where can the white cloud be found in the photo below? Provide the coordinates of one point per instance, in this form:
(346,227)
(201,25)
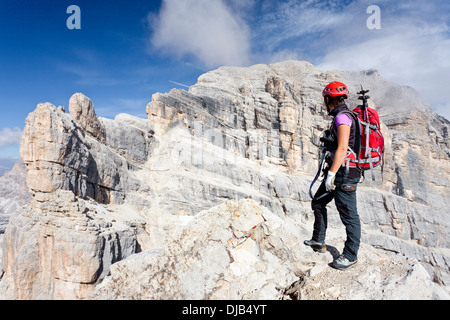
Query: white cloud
(10,136)
(414,55)
(411,48)
(282,55)
(135,107)
(205,29)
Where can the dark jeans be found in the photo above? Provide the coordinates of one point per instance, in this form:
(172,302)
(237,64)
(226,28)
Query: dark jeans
(345,199)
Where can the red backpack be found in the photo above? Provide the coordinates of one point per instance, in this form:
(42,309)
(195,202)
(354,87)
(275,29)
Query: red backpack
(371,141)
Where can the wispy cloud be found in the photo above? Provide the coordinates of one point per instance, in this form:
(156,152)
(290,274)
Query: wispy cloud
(179,84)
(296,29)
(205,29)
(90,69)
(10,136)
(89,75)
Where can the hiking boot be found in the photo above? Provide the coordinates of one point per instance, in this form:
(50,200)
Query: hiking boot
(343,263)
(316,246)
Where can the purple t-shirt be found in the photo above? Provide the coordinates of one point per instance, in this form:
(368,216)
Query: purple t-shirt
(343,118)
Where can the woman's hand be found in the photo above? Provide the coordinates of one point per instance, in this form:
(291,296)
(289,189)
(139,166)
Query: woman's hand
(329,182)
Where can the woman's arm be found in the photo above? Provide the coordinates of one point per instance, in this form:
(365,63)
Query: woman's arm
(343,132)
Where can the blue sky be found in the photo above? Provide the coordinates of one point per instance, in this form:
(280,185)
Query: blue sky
(126,51)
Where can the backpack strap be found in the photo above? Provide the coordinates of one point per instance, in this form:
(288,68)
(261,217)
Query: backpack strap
(356,121)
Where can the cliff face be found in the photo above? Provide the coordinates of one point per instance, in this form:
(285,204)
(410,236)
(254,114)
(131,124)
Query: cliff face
(13,193)
(170,189)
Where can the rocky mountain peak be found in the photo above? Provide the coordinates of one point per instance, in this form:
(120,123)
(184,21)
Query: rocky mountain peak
(82,111)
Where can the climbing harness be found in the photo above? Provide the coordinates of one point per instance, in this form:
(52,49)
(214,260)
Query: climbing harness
(327,142)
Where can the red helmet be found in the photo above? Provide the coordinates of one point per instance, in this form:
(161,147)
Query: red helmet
(336,89)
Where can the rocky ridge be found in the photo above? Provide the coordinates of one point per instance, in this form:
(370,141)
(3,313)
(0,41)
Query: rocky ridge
(159,202)
(13,193)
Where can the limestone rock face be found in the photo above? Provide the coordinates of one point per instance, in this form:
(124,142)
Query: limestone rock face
(60,249)
(63,242)
(208,197)
(90,159)
(82,111)
(13,193)
(241,250)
